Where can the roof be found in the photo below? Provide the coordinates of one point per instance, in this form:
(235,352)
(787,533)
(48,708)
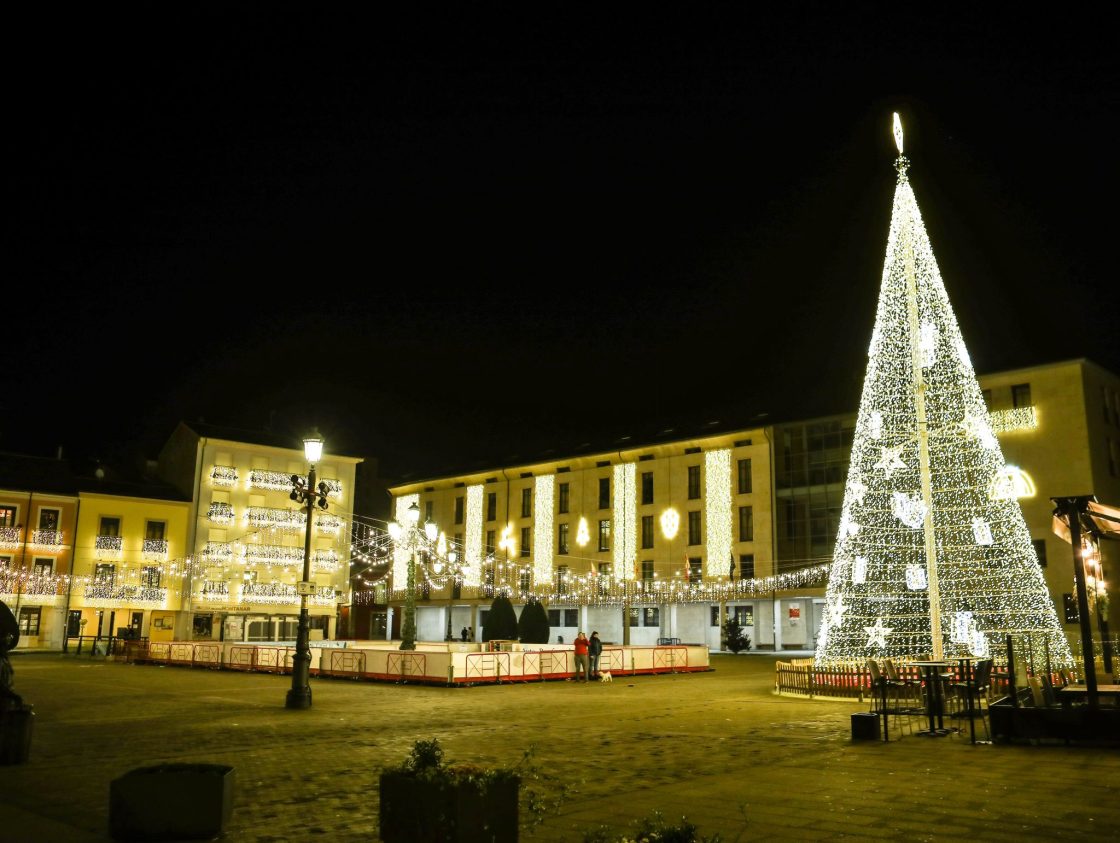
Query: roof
(143,488)
(20,472)
(267,438)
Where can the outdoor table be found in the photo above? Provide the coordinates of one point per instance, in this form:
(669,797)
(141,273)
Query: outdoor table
(931,673)
(1070,692)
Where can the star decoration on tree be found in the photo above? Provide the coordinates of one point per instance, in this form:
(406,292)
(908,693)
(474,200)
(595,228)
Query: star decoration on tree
(978,428)
(891,460)
(858,491)
(836,610)
(877,635)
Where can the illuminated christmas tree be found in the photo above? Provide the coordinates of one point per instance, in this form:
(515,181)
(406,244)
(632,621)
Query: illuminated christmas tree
(933,556)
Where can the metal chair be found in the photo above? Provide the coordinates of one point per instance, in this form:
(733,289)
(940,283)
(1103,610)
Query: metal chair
(966,689)
(886,691)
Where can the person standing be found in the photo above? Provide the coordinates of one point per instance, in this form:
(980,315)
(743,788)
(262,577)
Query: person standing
(463,635)
(582,666)
(594,650)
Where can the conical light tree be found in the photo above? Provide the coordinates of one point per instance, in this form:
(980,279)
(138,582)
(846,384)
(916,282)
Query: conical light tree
(933,556)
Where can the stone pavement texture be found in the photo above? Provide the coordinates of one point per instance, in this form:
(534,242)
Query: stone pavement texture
(718,747)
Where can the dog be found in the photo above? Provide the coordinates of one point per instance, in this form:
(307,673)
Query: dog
(605,676)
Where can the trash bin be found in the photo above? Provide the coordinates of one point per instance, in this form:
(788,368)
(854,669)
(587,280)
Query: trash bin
(171,802)
(865,726)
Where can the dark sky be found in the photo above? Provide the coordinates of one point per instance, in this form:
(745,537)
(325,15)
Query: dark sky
(465,234)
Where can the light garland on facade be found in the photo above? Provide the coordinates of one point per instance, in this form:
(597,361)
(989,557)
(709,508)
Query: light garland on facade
(472,549)
(273,480)
(327,523)
(154,550)
(1017,418)
(930,542)
(624,513)
(402,555)
(217,552)
(281,594)
(223,475)
(46,539)
(107,547)
(273,554)
(128,594)
(10,538)
(543,489)
(717,511)
(670,523)
(220,512)
(275,518)
(583,535)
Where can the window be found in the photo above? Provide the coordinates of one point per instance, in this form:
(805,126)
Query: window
(634,616)
(526,580)
(5,562)
(604,534)
(562,539)
(29,620)
(44,567)
(744,615)
(746,484)
(491,506)
(526,540)
(746,523)
(647,571)
(1021,395)
(459,509)
(105,574)
(694,527)
(562,501)
(1040,551)
(1070,604)
(1113,458)
(489,541)
(715,616)
(150,576)
(647,487)
(527,503)
(987,395)
(693,482)
(694,575)
(651,616)
(7,516)
(428,511)
(647,531)
(746,566)
(554,617)
(49,519)
(571,617)
(604,493)
(155,531)
(561,579)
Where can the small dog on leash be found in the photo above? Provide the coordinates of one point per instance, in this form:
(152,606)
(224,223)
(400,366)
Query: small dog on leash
(605,676)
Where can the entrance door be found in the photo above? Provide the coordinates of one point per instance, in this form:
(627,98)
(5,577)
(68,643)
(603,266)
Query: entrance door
(74,623)
(137,623)
(377,625)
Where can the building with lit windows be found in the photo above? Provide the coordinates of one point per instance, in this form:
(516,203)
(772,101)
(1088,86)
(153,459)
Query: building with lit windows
(38,521)
(668,539)
(245,536)
(130,560)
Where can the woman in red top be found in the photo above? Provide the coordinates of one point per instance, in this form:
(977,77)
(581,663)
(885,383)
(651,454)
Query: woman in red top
(583,666)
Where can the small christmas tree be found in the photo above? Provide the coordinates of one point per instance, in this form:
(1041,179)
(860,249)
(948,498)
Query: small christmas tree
(737,639)
(501,622)
(533,626)
(933,556)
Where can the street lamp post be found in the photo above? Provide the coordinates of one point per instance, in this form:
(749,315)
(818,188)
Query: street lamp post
(408,536)
(309,495)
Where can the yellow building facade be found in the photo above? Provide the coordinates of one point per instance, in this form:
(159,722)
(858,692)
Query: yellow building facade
(670,519)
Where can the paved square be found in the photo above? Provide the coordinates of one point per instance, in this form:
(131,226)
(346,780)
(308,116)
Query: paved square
(718,747)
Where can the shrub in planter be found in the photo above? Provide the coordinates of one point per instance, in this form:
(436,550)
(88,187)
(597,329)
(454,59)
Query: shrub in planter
(653,829)
(426,799)
(533,626)
(501,622)
(171,802)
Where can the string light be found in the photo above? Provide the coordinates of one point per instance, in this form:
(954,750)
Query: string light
(472,552)
(10,538)
(624,513)
(223,475)
(1016,418)
(220,512)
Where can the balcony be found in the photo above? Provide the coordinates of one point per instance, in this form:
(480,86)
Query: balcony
(216,552)
(328,524)
(220,513)
(46,539)
(325,561)
(10,538)
(223,475)
(217,590)
(275,480)
(128,594)
(334,487)
(1018,418)
(107,547)
(155,550)
(274,518)
(273,554)
(283,594)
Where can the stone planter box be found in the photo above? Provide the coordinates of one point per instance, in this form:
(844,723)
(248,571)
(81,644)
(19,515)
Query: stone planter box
(171,802)
(15,734)
(414,809)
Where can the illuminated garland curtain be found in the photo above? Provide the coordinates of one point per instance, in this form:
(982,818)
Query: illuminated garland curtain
(927,559)
(472,552)
(717,511)
(543,489)
(402,556)
(625,515)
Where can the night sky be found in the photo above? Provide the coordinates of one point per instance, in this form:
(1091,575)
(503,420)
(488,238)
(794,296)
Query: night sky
(467,236)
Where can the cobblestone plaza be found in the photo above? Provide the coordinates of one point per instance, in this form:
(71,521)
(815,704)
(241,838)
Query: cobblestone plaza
(718,747)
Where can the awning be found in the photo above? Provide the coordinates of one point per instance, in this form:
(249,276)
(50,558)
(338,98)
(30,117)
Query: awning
(1098,519)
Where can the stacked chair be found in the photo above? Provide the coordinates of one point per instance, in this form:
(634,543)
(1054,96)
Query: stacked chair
(970,695)
(891,695)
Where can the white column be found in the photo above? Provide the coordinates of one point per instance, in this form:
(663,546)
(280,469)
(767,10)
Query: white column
(777,624)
